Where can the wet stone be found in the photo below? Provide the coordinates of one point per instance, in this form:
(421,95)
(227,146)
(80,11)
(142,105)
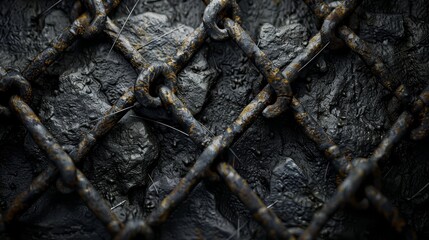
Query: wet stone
(157,190)
(282,44)
(121,160)
(291,195)
(383,27)
(157,39)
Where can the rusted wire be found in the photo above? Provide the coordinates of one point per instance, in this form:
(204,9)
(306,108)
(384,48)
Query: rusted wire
(199,134)
(386,78)
(257,208)
(146,79)
(98,12)
(44,140)
(219,143)
(331,22)
(209,155)
(135,230)
(376,64)
(356,177)
(41,183)
(44,59)
(196,131)
(124,46)
(269,71)
(217,12)
(212,13)
(319,8)
(422,131)
(13,82)
(315,132)
(354,181)
(389,211)
(69,173)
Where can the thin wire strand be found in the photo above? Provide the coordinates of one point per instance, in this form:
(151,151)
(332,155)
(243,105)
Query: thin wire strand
(50,8)
(417,193)
(122,28)
(317,54)
(161,123)
(111,114)
(153,183)
(118,205)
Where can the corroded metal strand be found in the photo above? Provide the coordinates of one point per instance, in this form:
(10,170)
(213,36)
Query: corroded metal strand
(196,131)
(97,204)
(377,66)
(41,183)
(70,175)
(105,124)
(375,63)
(190,45)
(13,82)
(316,44)
(316,133)
(356,177)
(319,8)
(422,131)
(44,140)
(386,78)
(389,211)
(44,59)
(135,230)
(273,75)
(257,208)
(149,83)
(399,90)
(98,12)
(209,155)
(124,46)
(212,13)
(25,199)
(199,134)
(332,21)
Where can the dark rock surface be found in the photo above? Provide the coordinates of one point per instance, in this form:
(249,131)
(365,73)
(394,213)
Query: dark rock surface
(291,196)
(140,161)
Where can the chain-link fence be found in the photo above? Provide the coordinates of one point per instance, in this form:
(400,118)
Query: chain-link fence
(155,89)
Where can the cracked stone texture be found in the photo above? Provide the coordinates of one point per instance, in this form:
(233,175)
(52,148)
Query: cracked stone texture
(291,195)
(279,162)
(157,39)
(198,217)
(120,162)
